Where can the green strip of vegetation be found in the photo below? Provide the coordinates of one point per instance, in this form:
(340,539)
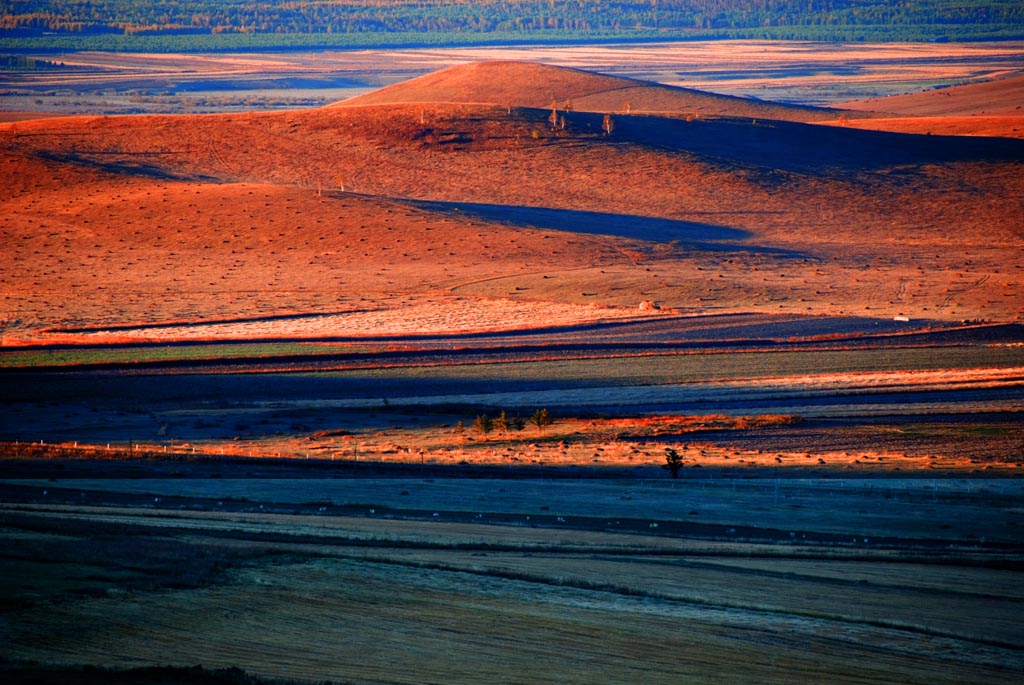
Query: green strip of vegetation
(231,25)
(629,370)
(128,355)
(673,368)
(248,42)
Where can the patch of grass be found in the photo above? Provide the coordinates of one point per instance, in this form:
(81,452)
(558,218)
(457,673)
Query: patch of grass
(145,354)
(675,368)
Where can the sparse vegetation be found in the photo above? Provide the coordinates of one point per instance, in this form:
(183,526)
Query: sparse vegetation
(187,493)
(607,124)
(541,419)
(483,423)
(673,461)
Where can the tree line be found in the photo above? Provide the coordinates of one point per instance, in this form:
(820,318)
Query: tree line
(433,21)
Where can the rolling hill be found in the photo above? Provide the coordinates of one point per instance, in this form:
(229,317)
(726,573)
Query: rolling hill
(998,97)
(528,84)
(991,108)
(117,221)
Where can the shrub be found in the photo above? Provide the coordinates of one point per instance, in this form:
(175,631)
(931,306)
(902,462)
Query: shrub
(484,423)
(673,461)
(541,418)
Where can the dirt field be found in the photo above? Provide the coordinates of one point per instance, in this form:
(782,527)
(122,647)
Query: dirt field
(790,71)
(412,578)
(384,392)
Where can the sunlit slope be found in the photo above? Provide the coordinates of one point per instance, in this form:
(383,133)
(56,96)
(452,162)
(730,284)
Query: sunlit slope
(178,218)
(527,84)
(990,109)
(999,97)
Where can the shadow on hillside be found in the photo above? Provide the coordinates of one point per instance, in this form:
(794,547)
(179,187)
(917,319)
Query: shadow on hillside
(809,148)
(688,234)
(128,164)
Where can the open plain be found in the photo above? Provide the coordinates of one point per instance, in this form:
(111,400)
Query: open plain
(384,391)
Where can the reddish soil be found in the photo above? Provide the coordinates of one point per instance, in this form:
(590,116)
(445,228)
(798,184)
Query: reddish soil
(524,84)
(991,108)
(995,127)
(186,218)
(997,98)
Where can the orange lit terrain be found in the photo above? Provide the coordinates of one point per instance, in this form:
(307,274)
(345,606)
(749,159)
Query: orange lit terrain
(391,222)
(393,391)
(990,108)
(126,220)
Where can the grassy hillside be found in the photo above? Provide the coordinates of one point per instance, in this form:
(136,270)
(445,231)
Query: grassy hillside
(184,218)
(524,84)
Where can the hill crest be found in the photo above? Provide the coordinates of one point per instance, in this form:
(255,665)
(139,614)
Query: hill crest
(530,84)
(998,97)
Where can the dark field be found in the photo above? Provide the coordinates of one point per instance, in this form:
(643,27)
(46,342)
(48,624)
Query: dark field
(329,572)
(848,509)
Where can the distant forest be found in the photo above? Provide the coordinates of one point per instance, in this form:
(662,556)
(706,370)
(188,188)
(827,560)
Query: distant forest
(168,25)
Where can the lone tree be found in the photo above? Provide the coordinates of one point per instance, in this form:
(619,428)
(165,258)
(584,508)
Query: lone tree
(541,418)
(673,461)
(608,124)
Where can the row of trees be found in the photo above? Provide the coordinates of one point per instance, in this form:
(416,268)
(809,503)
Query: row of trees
(504,423)
(23,63)
(578,18)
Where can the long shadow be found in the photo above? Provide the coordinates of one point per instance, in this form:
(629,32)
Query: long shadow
(692,235)
(122,163)
(809,148)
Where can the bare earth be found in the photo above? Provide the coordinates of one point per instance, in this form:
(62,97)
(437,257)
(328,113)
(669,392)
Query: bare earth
(387,391)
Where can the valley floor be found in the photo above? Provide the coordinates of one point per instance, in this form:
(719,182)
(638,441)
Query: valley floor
(411,578)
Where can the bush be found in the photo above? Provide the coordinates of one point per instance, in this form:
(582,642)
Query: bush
(484,423)
(673,461)
(541,418)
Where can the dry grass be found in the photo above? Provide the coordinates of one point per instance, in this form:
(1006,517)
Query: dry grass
(518,84)
(999,97)
(582,610)
(992,126)
(242,218)
(435,316)
(935,240)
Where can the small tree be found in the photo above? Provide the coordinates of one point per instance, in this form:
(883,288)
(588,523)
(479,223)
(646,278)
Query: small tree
(673,461)
(608,124)
(501,423)
(541,418)
(484,423)
(516,423)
